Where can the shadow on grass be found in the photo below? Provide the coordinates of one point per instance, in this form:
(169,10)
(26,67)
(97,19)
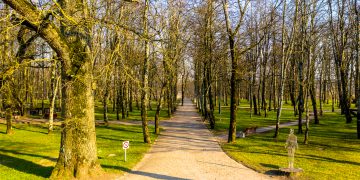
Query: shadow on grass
(319,158)
(24,129)
(25,166)
(28,154)
(120,129)
(142,173)
(335,147)
(108,138)
(274,170)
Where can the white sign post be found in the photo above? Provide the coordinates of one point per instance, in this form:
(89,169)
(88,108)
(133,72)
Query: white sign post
(126,145)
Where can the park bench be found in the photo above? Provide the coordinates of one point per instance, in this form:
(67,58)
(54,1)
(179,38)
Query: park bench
(353,112)
(47,115)
(250,130)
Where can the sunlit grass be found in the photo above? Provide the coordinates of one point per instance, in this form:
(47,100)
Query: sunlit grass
(332,153)
(135,115)
(30,153)
(246,119)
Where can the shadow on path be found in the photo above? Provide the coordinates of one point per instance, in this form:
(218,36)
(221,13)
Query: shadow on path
(142,173)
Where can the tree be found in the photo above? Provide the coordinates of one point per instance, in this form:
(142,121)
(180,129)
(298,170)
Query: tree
(287,46)
(145,81)
(234,64)
(77,156)
(339,41)
(357,58)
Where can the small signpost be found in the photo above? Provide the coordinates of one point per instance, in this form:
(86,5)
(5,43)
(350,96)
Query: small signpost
(126,145)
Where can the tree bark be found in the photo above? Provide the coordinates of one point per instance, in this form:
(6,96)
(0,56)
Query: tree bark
(8,117)
(286,50)
(54,85)
(357,58)
(158,109)
(145,75)
(78,154)
(105,104)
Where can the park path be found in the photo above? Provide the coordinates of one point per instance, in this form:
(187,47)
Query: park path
(186,149)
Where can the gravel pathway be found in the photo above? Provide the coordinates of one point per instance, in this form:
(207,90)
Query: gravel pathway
(187,150)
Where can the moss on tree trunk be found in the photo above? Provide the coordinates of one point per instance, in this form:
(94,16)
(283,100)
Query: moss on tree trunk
(78,154)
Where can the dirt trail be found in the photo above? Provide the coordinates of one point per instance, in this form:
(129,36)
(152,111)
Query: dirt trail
(187,150)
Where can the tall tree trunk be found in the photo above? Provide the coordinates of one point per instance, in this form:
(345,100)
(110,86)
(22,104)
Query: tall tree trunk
(145,75)
(205,91)
(130,97)
(234,64)
(169,103)
(211,102)
(158,109)
(118,106)
(306,137)
(137,100)
(255,105)
(320,89)
(357,58)
(251,95)
(271,94)
(292,88)
(54,88)
(345,97)
(105,104)
(78,154)
(219,98)
(301,83)
(232,127)
(8,117)
(284,60)
(183,81)
(233,97)
(122,100)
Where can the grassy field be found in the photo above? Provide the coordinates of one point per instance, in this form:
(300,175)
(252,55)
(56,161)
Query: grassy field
(99,112)
(244,120)
(135,115)
(332,153)
(30,153)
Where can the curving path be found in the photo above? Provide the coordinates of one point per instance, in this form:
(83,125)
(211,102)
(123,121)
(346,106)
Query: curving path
(187,150)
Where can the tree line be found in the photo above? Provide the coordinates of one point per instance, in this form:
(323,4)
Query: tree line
(134,54)
(73,54)
(305,52)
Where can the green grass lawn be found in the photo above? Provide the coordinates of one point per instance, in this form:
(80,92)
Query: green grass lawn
(30,153)
(244,120)
(99,112)
(332,153)
(134,116)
